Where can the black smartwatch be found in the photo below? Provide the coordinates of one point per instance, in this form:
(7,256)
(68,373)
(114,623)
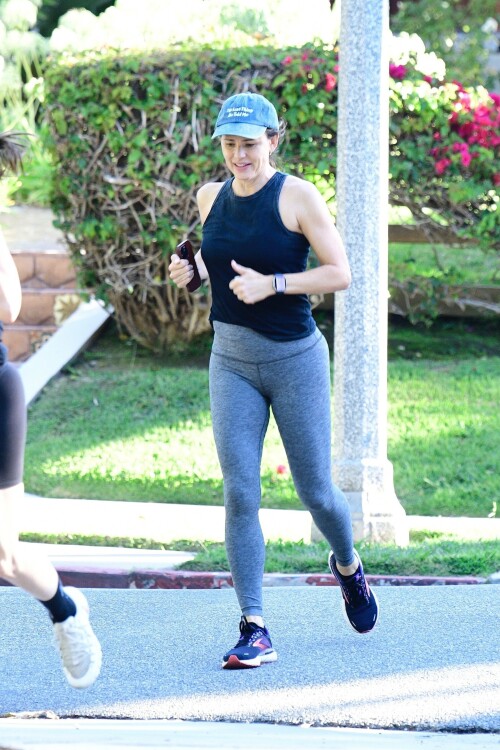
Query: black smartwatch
(279,283)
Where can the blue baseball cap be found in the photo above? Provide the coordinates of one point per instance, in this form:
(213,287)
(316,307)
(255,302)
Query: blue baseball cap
(247,115)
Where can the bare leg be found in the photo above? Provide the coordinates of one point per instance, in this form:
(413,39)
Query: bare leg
(19,564)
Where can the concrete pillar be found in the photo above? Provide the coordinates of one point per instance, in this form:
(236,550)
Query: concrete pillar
(361,468)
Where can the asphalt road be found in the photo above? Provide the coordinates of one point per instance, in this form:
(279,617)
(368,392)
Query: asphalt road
(432,664)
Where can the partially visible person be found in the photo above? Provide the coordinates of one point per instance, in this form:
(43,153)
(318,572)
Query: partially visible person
(33,572)
(267,353)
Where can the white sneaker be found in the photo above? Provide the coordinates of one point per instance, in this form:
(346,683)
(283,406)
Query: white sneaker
(80,650)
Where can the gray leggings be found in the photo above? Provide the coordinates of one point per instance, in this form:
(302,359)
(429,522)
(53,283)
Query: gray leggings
(248,374)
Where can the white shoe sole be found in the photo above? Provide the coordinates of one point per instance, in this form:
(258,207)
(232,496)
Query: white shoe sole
(234,663)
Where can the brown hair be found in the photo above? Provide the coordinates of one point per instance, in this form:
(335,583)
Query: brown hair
(270,132)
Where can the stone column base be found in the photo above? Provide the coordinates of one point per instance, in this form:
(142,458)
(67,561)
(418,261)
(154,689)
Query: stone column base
(390,525)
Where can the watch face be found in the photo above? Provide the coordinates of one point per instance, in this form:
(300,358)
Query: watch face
(279,283)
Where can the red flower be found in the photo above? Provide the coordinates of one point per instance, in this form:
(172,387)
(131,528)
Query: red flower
(496,178)
(281,469)
(398,72)
(304,88)
(287,60)
(466,131)
(442,165)
(331,82)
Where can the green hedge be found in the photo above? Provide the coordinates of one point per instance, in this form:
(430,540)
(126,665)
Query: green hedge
(131,137)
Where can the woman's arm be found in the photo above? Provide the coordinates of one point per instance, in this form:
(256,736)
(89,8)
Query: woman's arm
(304,203)
(302,210)
(179,270)
(10,286)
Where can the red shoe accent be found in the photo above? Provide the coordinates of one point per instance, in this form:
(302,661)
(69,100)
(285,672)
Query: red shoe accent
(234,663)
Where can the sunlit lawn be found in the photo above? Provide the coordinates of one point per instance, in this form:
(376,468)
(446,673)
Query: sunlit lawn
(451,265)
(122,425)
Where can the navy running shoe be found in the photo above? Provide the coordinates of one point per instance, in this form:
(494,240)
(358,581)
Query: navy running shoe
(253,648)
(360,603)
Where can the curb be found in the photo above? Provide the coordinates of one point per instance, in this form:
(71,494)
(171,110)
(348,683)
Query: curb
(175,579)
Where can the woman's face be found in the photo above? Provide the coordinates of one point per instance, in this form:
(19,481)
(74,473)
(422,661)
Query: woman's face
(247,158)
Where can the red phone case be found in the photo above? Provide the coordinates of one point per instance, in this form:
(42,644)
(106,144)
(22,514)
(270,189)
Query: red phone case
(185,250)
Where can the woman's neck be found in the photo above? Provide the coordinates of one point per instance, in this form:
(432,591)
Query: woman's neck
(244,188)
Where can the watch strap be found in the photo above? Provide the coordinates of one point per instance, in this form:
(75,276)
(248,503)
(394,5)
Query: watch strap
(279,283)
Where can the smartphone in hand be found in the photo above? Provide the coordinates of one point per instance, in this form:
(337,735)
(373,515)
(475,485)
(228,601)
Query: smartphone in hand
(185,251)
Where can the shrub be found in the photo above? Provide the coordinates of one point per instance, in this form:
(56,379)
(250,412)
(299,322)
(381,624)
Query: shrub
(461,33)
(444,148)
(131,137)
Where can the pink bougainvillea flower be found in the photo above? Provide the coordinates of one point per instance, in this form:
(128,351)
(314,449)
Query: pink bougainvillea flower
(442,165)
(281,469)
(496,178)
(465,158)
(458,85)
(466,131)
(495,97)
(428,79)
(305,55)
(398,72)
(436,136)
(331,82)
(287,60)
(464,100)
(304,88)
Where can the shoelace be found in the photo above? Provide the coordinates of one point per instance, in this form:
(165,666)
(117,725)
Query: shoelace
(248,638)
(356,590)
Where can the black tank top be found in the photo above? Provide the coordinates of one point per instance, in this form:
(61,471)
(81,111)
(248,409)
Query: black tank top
(250,230)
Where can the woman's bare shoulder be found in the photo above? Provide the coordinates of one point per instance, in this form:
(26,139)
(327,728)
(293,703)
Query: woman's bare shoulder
(299,186)
(206,196)
(208,191)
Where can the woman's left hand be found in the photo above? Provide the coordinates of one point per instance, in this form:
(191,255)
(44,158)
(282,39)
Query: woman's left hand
(250,286)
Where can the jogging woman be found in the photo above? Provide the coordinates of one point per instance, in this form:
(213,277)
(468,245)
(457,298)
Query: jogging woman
(267,353)
(19,564)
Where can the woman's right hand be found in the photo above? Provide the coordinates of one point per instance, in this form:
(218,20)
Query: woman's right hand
(180,271)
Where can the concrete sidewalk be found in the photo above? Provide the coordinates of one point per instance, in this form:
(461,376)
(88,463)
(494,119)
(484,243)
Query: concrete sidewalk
(129,734)
(114,567)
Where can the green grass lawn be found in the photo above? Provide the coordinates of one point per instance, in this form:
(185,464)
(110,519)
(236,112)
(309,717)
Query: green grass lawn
(452,265)
(429,553)
(122,424)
